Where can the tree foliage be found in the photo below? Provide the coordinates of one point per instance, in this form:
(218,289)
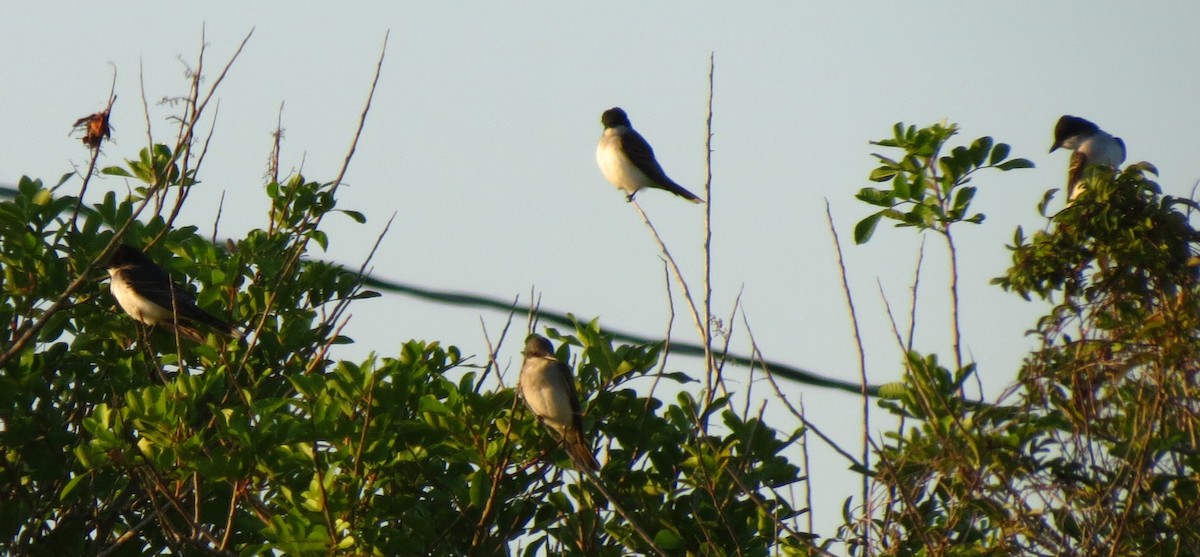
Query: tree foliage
(1094,450)
(119,439)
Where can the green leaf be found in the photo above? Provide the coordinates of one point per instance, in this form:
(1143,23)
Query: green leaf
(980,149)
(1144,167)
(116,171)
(430,404)
(680,377)
(999,153)
(668,540)
(902,188)
(71,485)
(1015,164)
(893,391)
(320,238)
(882,174)
(357,216)
(874,196)
(481,488)
(866,227)
(963,198)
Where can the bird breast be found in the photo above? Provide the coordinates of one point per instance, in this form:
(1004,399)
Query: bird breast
(136,306)
(616,166)
(547,396)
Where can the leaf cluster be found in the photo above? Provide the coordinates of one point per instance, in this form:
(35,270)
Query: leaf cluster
(928,189)
(1094,450)
(121,439)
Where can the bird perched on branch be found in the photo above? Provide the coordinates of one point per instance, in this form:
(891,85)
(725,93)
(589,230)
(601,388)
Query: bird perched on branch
(145,291)
(628,161)
(548,388)
(1091,145)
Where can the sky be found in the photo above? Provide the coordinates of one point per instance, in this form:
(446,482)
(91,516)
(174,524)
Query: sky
(482,135)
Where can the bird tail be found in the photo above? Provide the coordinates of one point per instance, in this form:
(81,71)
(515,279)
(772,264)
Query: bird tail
(186,326)
(579,450)
(684,193)
(218,324)
(184,330)
(227,329)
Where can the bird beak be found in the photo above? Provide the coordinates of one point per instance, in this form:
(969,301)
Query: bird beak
(1055,146)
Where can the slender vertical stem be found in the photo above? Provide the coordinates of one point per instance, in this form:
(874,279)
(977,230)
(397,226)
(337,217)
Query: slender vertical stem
(866,399)
(709,362)
(956,330)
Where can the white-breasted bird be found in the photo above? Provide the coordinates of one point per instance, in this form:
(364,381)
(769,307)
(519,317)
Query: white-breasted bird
(147,294)
(627,160)
(1091,145)
(548,388)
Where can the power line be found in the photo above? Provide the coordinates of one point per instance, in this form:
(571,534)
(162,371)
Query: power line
(781,370)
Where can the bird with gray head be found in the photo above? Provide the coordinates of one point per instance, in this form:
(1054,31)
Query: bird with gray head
(146,292)
(548,388)
(627,160)
(1091,145)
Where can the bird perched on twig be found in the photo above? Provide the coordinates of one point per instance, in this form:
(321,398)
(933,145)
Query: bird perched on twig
(548,388)
(628,161)
(1091,145)
(145,291)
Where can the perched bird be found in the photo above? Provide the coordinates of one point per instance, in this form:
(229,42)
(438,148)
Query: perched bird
(628,161)
(548,387)
(146,293)
(1091,145)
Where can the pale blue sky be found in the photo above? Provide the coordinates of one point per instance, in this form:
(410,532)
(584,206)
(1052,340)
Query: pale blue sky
(483,132)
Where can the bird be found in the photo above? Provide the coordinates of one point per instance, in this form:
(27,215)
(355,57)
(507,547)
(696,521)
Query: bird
(146,293)
(627,160)
(1091,145)
(548,388)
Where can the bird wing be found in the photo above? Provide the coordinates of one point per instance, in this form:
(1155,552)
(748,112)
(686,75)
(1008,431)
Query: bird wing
(576,444)
(153,284)
(642,156)
(563,373)
(1120,154)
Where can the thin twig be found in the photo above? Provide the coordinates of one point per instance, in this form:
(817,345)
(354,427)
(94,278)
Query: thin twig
(797,413)
(912,315)
(687,293)
(621,510)
(127,535)
(494,352)
(662,367)
(362,120)
(862,367)
(217,219)
(709,363)
(956,328)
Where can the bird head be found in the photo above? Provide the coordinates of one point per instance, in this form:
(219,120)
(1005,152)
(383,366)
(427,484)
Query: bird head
(1070,127)
(537,345)
(614,117)
(125,255)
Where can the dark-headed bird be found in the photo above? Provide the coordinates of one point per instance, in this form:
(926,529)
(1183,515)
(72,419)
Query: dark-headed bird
(628,161)
(1091,145)
(147,294)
